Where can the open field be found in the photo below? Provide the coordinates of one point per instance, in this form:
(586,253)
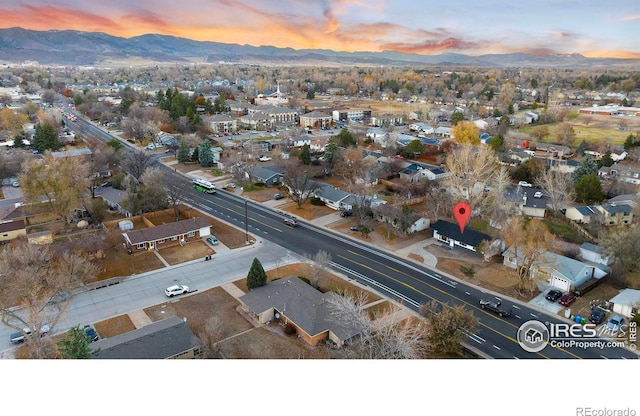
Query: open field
(593,129)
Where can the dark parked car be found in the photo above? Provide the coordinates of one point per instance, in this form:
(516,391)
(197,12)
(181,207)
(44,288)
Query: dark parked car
(277,196)
(357,228)
(346,213)
(495,307)
(90,333)
(567,299)
(597,316)
(553,295)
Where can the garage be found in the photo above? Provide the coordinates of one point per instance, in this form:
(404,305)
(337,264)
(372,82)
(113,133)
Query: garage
(560,283)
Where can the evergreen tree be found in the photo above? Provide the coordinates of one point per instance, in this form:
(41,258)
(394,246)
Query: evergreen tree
(183,151)
(305,155)
(206,155)
(589,189)
(456,117)
(18,141)
(257,276)
(586,167)
(46,138)
(344,139)
(220,103)
(75,345)
(195,156)
(606,160)
(581,148)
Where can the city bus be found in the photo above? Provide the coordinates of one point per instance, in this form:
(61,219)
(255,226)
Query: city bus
(204,186)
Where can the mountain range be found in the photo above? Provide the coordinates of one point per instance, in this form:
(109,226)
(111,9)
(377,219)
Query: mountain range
(70,47)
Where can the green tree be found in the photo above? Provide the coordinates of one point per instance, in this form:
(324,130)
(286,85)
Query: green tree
(75,345)
(456,117)
(311,94)
(220,103)
(206,155)
(305,155)
(414,149)
(18,141)
(183,151)
(195,156)
(344,139)
(606,160)
(115,144)
(589,189)
(257,276)
(586,167)
(46,138)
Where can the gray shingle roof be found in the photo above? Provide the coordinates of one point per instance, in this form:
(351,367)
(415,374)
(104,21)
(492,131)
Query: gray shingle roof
(300,303)
(159,340)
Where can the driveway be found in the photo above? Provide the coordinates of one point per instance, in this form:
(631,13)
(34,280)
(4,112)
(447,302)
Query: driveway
(11,192)
(541,303)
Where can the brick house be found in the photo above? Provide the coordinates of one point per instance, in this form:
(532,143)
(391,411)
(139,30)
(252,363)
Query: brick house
(176,232)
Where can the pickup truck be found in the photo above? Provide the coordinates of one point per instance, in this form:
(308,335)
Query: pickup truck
(495,307)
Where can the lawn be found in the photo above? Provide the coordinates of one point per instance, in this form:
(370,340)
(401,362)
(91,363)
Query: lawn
(564,231)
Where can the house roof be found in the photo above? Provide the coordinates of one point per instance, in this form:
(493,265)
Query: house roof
(172,229)
(593,248)
(330,193)
(11,226)
(628,297)
(300,303)
(265,173)
(451,230)
(586,210)
(158,340)
(615,208)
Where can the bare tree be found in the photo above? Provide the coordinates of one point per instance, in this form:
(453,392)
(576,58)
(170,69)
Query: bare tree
(566,133)
(63,181)
(470,170)
(559,186)
(527,243)
(136,163)
(31,275)
(299,179)
(447,325)
(623,245)
(379,338)
(321,270)
(210,336)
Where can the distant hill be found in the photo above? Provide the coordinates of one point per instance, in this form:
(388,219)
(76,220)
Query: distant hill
(69,47)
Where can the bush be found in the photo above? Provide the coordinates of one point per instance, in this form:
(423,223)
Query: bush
(317,202)
(289,329)
(468,271)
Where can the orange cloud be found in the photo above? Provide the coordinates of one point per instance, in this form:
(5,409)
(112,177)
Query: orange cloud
(48,17)
(611,54)
(631,17)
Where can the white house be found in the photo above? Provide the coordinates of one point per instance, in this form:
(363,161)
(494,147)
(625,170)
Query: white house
(626,302)
(593,253)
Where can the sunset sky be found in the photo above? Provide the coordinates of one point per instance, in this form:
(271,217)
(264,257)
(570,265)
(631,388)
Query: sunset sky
(594,28)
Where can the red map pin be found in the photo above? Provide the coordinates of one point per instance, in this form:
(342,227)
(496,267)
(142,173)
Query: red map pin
(461,212)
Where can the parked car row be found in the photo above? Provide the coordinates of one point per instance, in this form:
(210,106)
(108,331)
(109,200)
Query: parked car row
(564,299)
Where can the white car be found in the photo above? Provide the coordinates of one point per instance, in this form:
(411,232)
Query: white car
(537,195)
(264,158)
(525,184)
(175,290)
